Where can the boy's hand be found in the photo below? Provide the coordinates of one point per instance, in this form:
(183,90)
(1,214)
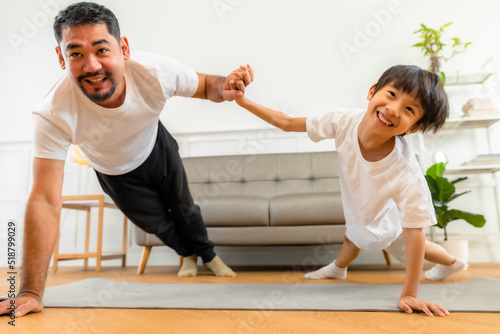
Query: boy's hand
(409,303)
(235,83)
(241,100)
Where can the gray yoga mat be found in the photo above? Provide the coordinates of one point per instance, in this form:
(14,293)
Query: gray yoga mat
(480,294)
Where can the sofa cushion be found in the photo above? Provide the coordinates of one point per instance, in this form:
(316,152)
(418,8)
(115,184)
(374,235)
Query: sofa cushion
(261,235)
(306,209)
(277,235)
(234,210)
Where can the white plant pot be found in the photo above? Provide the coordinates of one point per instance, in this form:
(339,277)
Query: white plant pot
(457,248)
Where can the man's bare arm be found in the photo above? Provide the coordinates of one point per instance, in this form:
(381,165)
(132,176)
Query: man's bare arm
(41,225)
(218,89)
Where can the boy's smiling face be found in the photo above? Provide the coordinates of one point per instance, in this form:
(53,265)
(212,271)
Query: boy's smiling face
(393,112)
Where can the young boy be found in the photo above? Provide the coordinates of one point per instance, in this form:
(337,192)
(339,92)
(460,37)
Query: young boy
(384,194)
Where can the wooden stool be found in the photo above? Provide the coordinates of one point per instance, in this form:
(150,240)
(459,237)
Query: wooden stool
(86,203)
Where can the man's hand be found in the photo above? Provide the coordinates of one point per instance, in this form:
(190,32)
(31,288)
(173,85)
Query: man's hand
(24,304)
(409,303)
(235,83)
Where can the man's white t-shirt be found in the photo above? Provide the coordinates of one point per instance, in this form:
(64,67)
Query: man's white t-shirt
(379,198)
(117,140)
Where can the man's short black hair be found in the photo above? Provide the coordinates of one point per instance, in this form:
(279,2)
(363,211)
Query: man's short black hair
(428,89)
(85,13)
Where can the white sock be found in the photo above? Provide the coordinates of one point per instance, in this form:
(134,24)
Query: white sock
(328,271)
(189,267)
(219,268)
(440,272)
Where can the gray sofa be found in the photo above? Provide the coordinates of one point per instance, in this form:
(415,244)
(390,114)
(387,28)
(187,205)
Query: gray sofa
(264,199)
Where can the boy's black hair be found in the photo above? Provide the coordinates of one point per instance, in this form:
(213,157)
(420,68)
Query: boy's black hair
(81,13)
(428,89)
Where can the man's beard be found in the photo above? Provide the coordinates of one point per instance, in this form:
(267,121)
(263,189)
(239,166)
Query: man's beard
(98,96)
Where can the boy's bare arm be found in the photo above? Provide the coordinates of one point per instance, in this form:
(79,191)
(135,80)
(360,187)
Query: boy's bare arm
(274,117)
(415,251)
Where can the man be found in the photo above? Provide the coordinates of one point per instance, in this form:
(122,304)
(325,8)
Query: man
(108,103)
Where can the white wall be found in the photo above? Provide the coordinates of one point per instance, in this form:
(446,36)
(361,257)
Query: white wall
(296,48)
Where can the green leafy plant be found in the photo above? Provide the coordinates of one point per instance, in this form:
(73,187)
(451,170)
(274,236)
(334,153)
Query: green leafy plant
(434,47)
(443,192)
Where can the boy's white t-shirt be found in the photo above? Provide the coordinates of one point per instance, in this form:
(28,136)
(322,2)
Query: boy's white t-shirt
(379,198)
(117,140)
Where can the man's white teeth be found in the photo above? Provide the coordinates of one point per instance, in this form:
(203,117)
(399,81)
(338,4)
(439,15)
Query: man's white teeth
(96,80)
(380,117)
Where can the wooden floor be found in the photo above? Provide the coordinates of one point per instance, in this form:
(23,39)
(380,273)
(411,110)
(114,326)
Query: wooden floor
(122,321)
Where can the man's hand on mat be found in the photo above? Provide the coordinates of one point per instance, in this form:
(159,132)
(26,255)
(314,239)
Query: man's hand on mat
(235,83)
(409,303)
(21,305)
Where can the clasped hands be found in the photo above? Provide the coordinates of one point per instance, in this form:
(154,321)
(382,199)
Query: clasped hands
(235,83)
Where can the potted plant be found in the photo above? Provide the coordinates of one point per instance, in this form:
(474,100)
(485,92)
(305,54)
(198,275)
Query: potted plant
(433,46)
(443,192)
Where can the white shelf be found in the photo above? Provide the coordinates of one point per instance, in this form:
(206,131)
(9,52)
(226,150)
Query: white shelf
(481,164)
(457,79)
(473,169)
(470,122)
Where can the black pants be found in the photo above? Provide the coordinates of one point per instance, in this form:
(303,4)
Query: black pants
(155,197)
